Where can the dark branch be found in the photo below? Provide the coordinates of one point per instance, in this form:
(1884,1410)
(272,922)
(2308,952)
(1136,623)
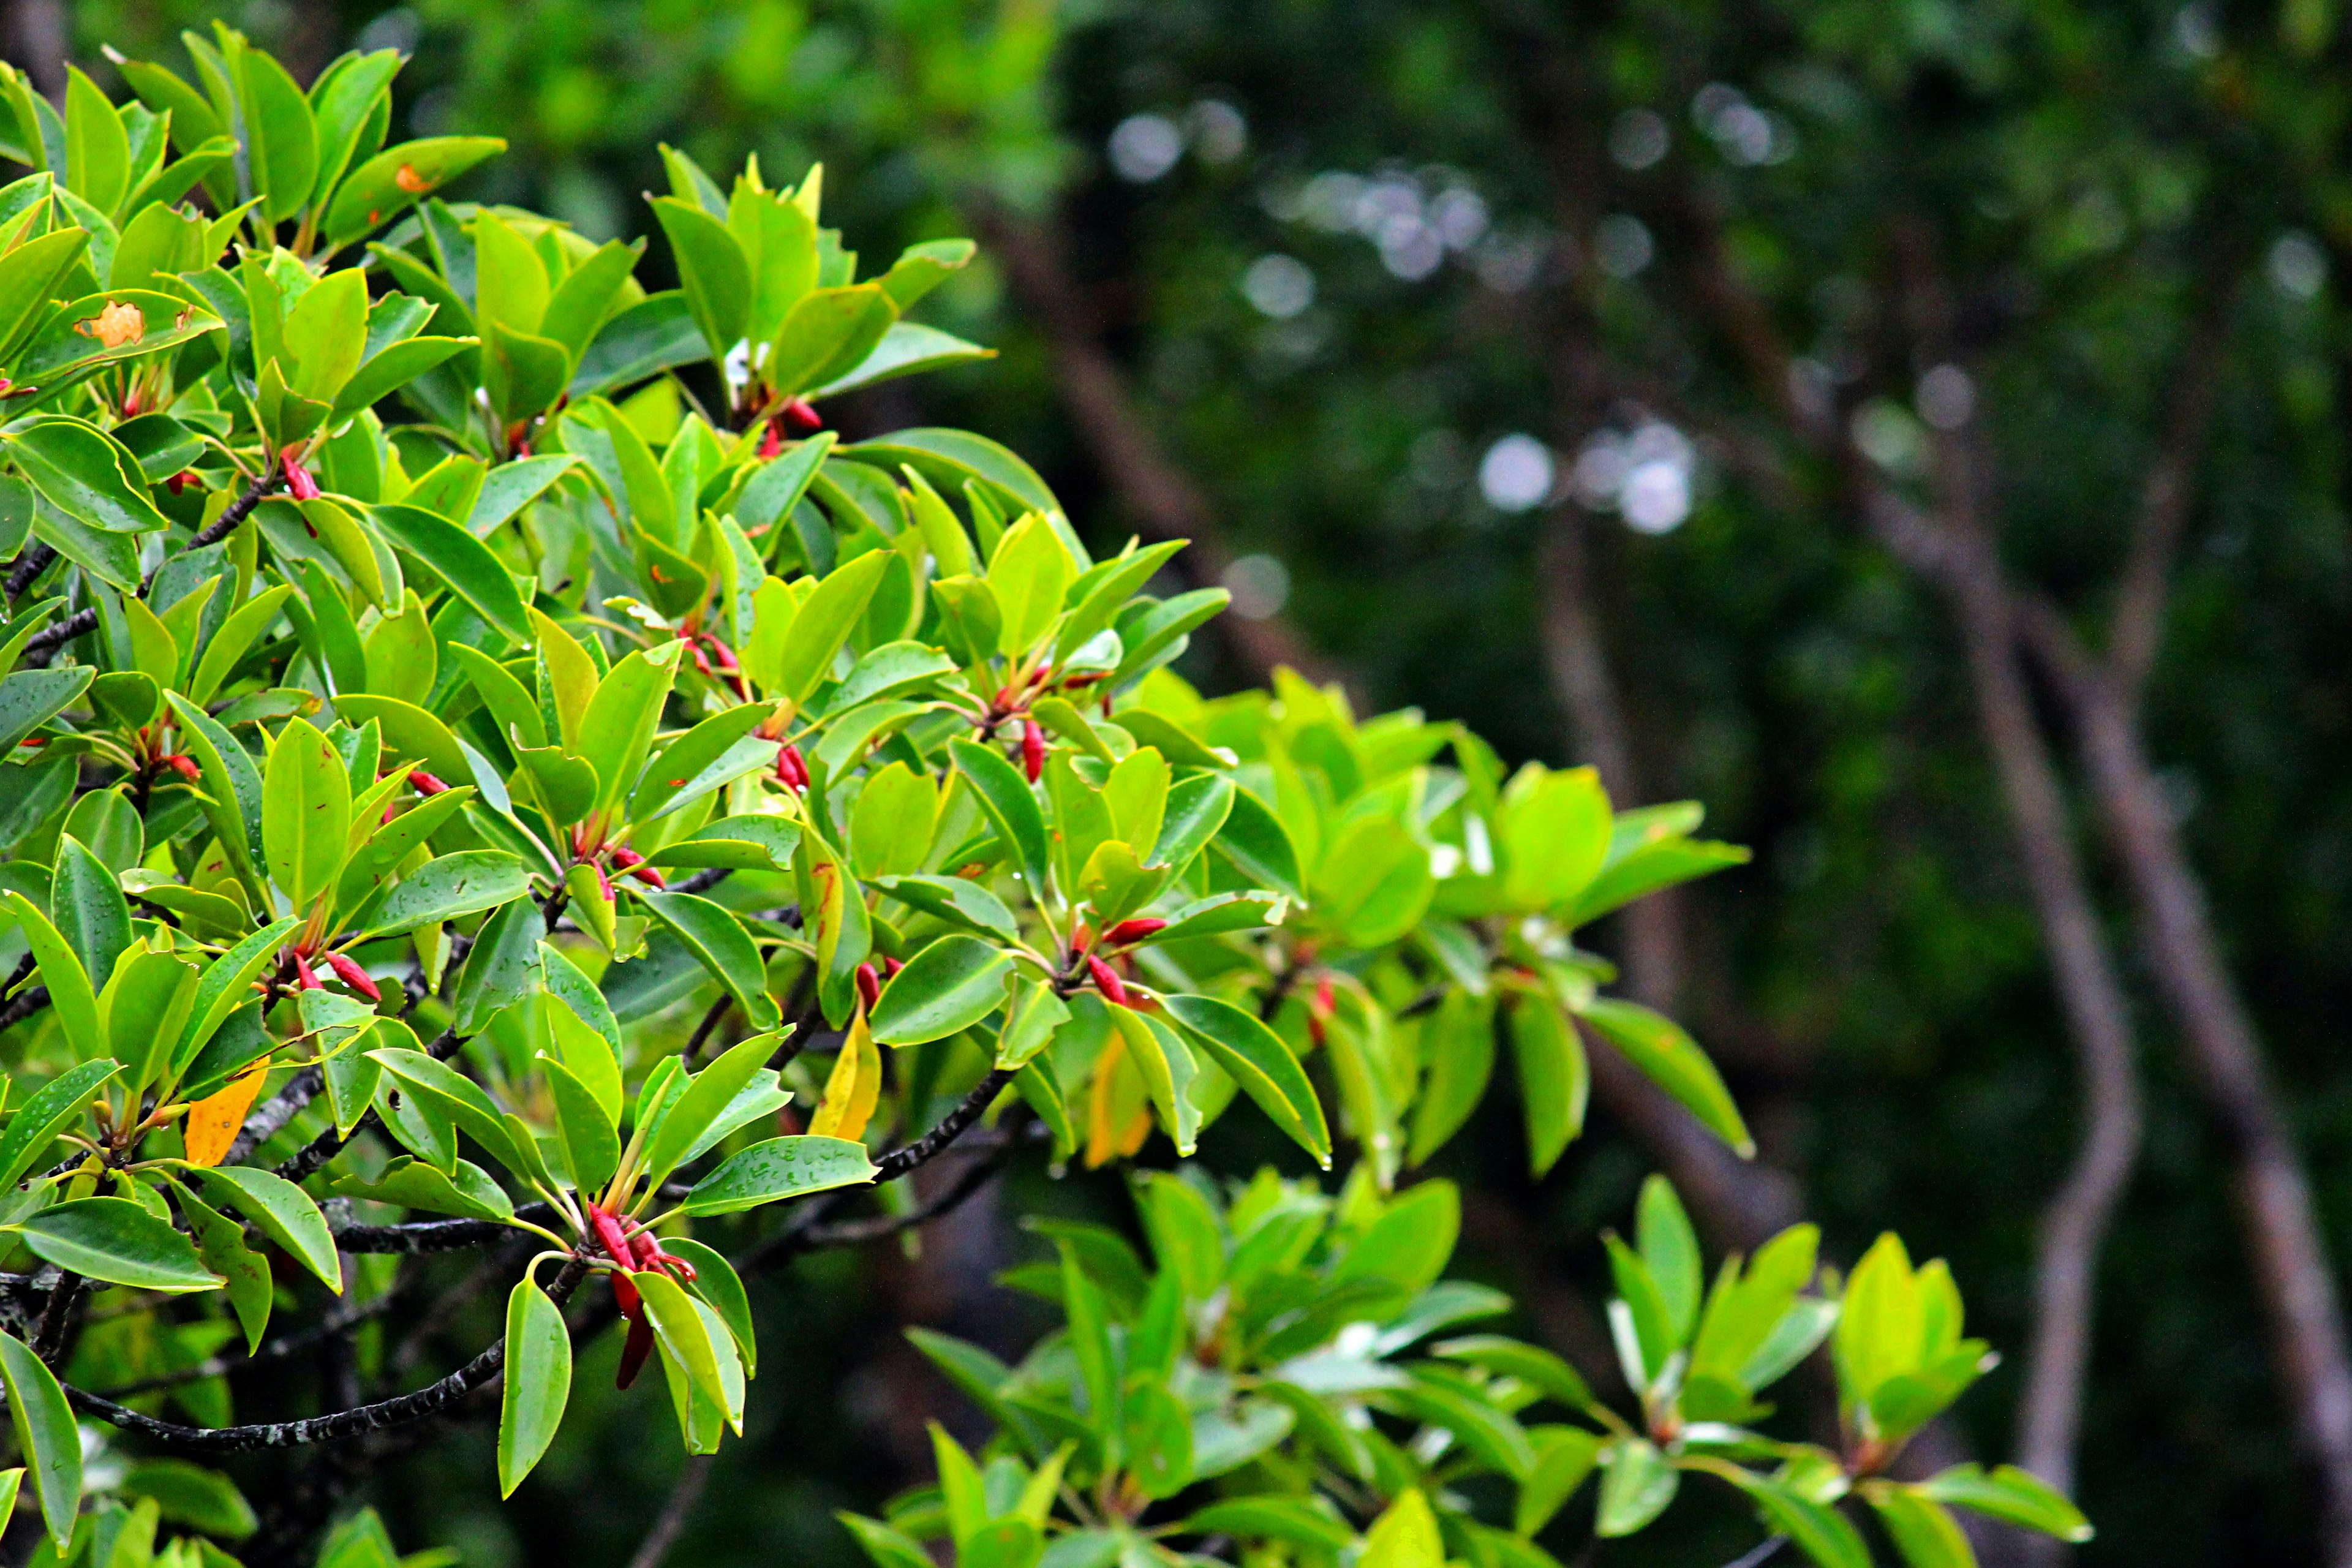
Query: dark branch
(900,1160)
(397,1411)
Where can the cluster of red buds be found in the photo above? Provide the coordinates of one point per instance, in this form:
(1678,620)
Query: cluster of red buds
(869,980)
(299,482)
(629,863)
(797,412)
(346,969)
(641,1252)
(718,664)
(791,768)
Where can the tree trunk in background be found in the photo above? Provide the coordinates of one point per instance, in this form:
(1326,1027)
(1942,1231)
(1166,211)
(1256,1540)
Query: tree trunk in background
(1741,1202)
(1160,498)
(37,42)
(2292,1274)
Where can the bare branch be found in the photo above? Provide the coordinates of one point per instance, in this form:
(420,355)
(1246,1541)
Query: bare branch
(683,1497)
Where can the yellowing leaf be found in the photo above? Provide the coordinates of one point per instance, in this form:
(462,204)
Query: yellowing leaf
(853,1088)
(213,1121)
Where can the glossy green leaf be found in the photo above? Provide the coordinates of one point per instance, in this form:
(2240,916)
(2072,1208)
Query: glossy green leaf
(47,1436)
(284,1214)
(777,1169)
(948,986)
(120,1242)
(538,1382)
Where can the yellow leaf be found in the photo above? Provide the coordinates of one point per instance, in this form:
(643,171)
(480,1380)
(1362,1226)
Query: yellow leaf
(854,1088)
(1118,1114)
(215,1121)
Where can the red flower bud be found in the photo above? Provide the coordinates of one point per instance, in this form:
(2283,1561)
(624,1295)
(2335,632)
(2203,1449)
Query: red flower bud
(869,984)
(790,768)
(772,440)
(1107,982)
(800,415)
(354,977)
(701,660)
(424,782)
(303,973)
(185,766)
(890,967)
(299,482)
(1032,749)
(634,1354)
(180,481)
(1135,930)
(626,1297)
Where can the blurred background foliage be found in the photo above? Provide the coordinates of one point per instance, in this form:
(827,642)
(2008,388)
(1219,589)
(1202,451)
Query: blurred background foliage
(1336,249)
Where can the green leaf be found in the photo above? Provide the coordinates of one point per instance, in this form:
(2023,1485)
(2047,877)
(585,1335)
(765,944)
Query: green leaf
(716,1282)
(87,903)
(1669,1248)
(469,1193)
(2011,1495)
(1636,1484)
(54,1107)
(829,333)
(84,473)
(957,899)
(1458,1048)
(537,1381)
(705,1099)
(328,330)
(617,728)
(1538,1368)
(906,349)
(1257,1058)
(70,996)
(1554,832)
(285,1214)
(98,150)
(721,945)
(305,808)
(31,698)
(461,561)
(822,624)
(1555,1079)
(592,1143)
(386,184)
(47,1436)
(281,136)
(120,1242)
(1254,840)
(1307,1521)
(1663,1054)
(464,1102)
(1821,1533)
(220,1243)
(1922,1529)
(501,969)
(1030,575)
(188,1494)
(1009,805)
(713,268)
(1404,1536)
(948,986)
(449,886)
(777,1169)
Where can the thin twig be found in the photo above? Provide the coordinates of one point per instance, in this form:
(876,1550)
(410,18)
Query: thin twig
(683,1497)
